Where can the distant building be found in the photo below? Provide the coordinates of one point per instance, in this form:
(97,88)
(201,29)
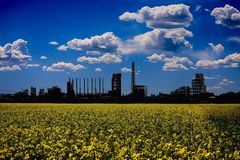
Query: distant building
(70,88)
(137,90)
(182,91)
(116,85)
(198,84)
(54,92)
(33,92)
(25,92)
(41,93)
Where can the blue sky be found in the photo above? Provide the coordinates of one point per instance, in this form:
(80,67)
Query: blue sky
(42,43)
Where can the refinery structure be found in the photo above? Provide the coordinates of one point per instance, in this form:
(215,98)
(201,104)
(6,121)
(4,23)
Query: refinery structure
(89,87)
(93,90)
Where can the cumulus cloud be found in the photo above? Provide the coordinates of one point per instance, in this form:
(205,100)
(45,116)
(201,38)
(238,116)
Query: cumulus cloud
(198,8)
(54,43)
(171,16)
(10,68)
(62,66)
(216,48)
(125,69)
(106,58)
(98,69)
(32,65)
(171,64)
(43,57)
(234,39)
(212,78)
(207,10)
(105,43)
(222,83)
(227,16)
(232,60)
(15,53)
(226,82)
(156,57)
(157,40)
(62,48)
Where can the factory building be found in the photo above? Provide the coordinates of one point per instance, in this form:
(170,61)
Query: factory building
(33,92)
(70,88)
(137,90)
(116,85)
(182,91)
(198,84)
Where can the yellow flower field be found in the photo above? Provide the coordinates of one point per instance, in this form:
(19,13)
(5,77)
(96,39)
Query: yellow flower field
(119,131)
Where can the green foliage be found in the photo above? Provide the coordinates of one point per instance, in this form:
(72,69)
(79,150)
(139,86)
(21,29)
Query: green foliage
(119,131)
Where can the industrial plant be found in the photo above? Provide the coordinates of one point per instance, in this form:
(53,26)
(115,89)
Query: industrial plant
(88,90)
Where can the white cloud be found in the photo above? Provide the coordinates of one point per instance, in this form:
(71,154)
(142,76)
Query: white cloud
(227,16)
(176,63)
(62,48)
(222,83)
(98,69)
(15,53)
(125,69)
(232,60)
(171,64)
(53,43)
(234,39)
(43,57)
(106,58)
(226,82)
(157,40)
(198,8)
(212,78)
(207,10)
(216,48)
(156,57)
(10,68)
(105,43)
(171,16)
(32,65)
(62,66)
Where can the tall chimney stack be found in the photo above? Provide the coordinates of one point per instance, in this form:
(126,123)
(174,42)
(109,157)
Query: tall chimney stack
(87,85)
(92,86)
(99,87)
(95,86)
(80,84)
(76,86)
(102,85)
(84,86)
(133,77)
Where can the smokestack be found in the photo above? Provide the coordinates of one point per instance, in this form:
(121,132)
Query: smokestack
(92,86)
(84,86)
(87,86)
(102,85)
(133,77)
(99,86)
(76,86)
(95,86)
(80,92)
(72,84)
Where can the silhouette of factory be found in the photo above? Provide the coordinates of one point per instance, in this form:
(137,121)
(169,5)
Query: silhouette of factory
(89,87)
(87,90)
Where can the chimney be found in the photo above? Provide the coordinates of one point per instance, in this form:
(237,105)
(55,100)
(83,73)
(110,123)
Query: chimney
(133,77)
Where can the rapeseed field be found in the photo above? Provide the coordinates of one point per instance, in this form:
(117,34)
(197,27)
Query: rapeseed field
(119,131)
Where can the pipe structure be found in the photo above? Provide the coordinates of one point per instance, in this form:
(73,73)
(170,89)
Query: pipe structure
(99,87)
(84,86)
